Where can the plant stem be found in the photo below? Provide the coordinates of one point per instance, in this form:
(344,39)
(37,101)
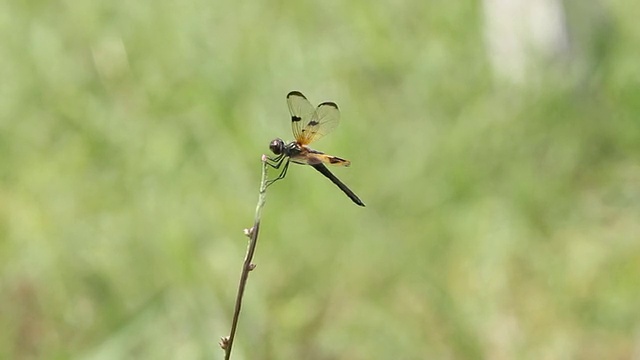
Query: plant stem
(227,342)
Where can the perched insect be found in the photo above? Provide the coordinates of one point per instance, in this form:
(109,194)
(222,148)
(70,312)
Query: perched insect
(309,124)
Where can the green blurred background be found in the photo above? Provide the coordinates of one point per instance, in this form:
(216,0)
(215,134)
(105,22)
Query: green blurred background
(502,217)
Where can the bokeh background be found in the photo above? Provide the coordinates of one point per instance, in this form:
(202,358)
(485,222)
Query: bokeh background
(496,145)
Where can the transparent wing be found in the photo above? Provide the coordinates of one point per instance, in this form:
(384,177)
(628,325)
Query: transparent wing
(301,113)
(327,159)
(325,118)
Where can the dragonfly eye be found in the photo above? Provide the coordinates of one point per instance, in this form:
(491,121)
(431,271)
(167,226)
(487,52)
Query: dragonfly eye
(277,146)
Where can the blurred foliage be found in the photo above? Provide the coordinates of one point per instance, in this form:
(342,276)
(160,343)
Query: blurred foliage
(501,219)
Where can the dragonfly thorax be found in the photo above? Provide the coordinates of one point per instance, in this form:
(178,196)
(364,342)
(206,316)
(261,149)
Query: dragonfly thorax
(279,147)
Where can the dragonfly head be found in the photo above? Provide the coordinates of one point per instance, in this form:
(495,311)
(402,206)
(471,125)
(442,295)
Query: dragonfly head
(277,146)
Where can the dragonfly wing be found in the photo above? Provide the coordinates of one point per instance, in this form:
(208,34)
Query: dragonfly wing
(314,158)
(301,113)
(324,120)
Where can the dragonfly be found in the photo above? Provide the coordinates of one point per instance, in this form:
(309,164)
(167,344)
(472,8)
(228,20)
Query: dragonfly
(309,124)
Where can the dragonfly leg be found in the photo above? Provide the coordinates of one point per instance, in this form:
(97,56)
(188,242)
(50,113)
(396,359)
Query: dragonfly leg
(275,162)
(283,173)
